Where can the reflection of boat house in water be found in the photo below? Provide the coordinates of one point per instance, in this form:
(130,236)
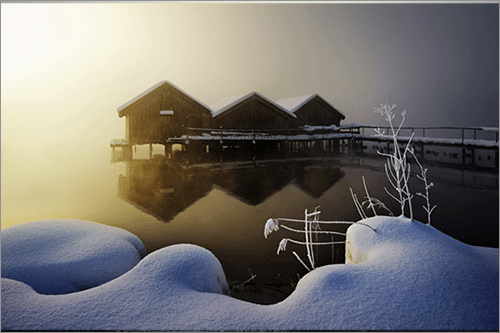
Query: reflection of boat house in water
(254,185)
(161,191)
(316,180)
(164,191)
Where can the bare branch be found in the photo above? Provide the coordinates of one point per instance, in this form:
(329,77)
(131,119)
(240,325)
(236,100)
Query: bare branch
(357,204)
(313,232)
(368,196)
(387,191)
(300,260)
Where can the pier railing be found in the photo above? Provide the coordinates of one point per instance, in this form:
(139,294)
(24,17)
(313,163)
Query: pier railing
(345,131)
(464,133)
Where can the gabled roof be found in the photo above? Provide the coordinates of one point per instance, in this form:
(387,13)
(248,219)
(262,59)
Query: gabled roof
(288,106)
(156,86)
(295,103)
(227,103)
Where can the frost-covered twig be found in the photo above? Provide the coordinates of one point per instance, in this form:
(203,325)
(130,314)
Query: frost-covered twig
(302,221)
(366,225)
(398,173)
(373,202)
(308,240)
(368,198)
(284,242)
(252,276)
(271,225)
(358,205)
(311,227)
(427,187)
(300,260)
(397,168)
(314,231)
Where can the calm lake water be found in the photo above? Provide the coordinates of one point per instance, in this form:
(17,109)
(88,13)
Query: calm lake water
(224,207)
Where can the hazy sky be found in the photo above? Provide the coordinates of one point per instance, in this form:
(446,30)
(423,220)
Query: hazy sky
(67,67)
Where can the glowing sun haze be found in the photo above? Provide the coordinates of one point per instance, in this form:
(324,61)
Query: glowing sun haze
(66,67)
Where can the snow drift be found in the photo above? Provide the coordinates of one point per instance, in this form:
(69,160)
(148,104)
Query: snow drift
(62,256)
(405,275)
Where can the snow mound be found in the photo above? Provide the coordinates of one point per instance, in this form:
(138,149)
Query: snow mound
(63,256)
(423,278)
(172,288)
(404,276)
(183,267)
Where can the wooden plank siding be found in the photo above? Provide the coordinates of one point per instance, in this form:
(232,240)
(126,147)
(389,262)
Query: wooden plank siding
(254,113)
(146,125)
(318,112)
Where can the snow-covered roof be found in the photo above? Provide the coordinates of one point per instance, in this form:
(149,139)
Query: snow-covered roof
(159,84)
(118,142)
(287,105)
(227,103)
(294,103)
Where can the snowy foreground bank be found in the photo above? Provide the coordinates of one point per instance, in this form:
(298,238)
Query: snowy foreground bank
(404,276)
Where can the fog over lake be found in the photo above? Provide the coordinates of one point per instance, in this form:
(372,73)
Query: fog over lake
(67,67)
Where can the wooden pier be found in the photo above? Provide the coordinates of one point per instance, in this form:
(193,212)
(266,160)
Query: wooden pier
(467,140)
(470,147)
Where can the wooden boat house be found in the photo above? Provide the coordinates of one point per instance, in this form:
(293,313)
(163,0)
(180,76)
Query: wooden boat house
(247,125)
(162,112)
(251,111)
(312,110)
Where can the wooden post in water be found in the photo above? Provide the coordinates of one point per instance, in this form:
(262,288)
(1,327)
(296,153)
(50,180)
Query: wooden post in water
(254,148)
(221,150)
(129,156)
(422,151)
(463,156)
(168,150)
